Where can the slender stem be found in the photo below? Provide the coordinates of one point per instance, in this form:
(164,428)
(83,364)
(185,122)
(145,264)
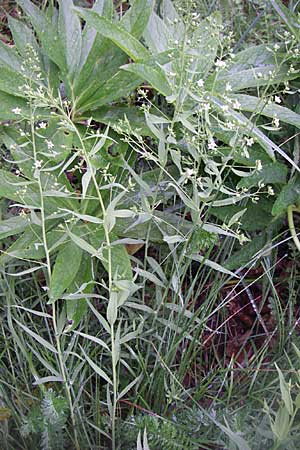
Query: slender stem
(45,244)
(290,211)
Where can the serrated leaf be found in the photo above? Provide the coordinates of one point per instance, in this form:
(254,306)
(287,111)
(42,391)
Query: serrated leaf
(66,267)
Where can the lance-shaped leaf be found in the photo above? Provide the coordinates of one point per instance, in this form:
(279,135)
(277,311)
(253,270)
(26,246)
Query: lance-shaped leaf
(262,107)
(124,40)
(154,74)
(290,19)
(22,36)
(69,28)
(9,102)
(90,38)
(289,195)
(136,18)
(252,130)
(66,267)
(12,226)
(274,173)
(46,26)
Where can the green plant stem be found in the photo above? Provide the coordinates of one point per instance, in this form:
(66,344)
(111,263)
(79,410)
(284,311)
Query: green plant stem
(291,209)
(57,337)
(110,280)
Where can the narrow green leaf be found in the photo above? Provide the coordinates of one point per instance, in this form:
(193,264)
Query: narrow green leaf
(37,337)
(96,368)
(290,19)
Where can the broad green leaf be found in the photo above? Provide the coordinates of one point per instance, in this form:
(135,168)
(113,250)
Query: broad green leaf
(121,265)
(119,85)
(12,226)
(69,28)
(19,190)
(244,256)
(22,36)
(30,245)
(119,117)
(204,52)
(65,269)
(12,82)
(289,195)
(248,127)
(274,173)
(90,37)
(136,18)
(251,78)
(124,40)
(9,57)
(154,74)
(112,308)
(10,102)
(46,27)
(157,35)
(260,106)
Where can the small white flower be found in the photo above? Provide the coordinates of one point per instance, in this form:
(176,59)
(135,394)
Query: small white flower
(228,87)
(276,47)
(206,106)
(277,99)
(38,164)
(258,165)
(200,83)
(236,104)
(211,144)
(249,142)
(42,125)
(50,144)
(220,64)
(276,122)
(225,108)
(17,111)
(270,190)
